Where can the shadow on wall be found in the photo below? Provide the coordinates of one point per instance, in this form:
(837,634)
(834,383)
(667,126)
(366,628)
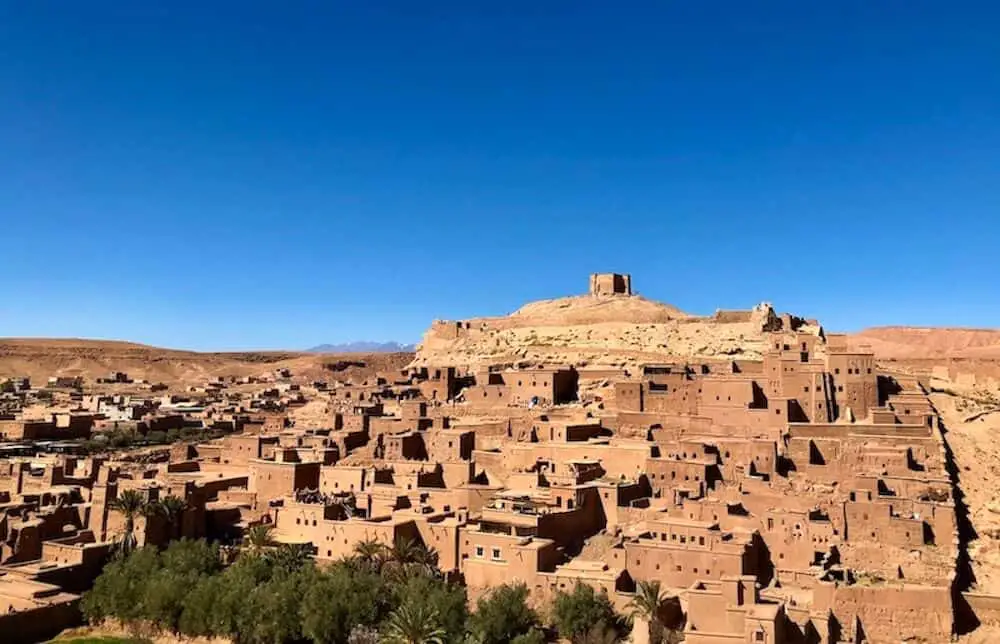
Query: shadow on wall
(965,619)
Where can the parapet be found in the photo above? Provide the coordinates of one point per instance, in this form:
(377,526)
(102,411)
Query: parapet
(610,284)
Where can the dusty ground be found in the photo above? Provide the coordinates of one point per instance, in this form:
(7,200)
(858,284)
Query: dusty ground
(41,358)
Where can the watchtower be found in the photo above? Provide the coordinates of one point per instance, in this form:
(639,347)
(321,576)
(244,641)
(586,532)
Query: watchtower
(610,284)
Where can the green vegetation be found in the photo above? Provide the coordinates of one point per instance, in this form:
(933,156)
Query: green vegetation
(275,594)
(118,439)
(584,616)
(503,615)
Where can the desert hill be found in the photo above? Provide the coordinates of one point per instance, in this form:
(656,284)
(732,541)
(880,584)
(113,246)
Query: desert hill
(40,358)
(618,331)
(901,342)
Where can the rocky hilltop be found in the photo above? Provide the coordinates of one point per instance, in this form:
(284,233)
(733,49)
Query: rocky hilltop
(598,330)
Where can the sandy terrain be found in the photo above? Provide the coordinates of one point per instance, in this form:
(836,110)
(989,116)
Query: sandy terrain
(921,343)
(41,358)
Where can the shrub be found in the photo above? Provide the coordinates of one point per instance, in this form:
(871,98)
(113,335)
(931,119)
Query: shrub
(502,615)
(581,612)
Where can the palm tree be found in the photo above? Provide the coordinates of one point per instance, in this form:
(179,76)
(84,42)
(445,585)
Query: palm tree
(289,557)
(129,504)
(370,552)
(171,508)
(646,604)
(414,624)
(258,537)
(406,551)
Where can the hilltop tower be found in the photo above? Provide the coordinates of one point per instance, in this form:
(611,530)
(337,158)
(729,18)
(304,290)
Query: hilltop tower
(610,284)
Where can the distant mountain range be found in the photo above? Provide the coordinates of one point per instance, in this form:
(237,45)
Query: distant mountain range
(363,346)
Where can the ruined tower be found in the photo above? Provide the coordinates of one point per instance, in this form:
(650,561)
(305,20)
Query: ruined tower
(610,284)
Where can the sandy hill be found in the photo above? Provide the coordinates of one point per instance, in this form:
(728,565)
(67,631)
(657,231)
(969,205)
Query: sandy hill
(42,358)
(900,342)
(595,331)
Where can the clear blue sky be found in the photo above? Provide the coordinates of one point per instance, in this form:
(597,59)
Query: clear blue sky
(219,175)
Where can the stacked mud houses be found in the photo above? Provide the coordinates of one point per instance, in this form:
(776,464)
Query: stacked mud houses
(804,497)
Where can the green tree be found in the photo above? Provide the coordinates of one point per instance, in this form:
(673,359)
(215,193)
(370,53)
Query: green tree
(370,552)
(203,605)
(129,504)
(157,437)
(274,608)
(414,624)
(230,611)
(117,588)
(502,615)
(341,598)
(577,613)
(172,508)
(184,564)
(258,537)
(290,557)
(447,601)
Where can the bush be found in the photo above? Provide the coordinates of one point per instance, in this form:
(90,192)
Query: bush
(503,615)
(157,437)
(534,636)
(582,612)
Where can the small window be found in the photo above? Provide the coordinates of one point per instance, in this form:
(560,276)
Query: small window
(479,551)
(496,554)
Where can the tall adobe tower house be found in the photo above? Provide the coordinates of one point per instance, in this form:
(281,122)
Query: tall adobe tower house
(602,284)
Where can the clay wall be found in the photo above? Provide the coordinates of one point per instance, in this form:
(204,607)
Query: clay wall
(665,475)
(489,559)
(676,565)
(443,537)
(240,449)
(888,612)
(271,480)
(450,445)
(335,479)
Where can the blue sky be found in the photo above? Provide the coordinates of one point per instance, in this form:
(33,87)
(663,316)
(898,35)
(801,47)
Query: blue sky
(218,175)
